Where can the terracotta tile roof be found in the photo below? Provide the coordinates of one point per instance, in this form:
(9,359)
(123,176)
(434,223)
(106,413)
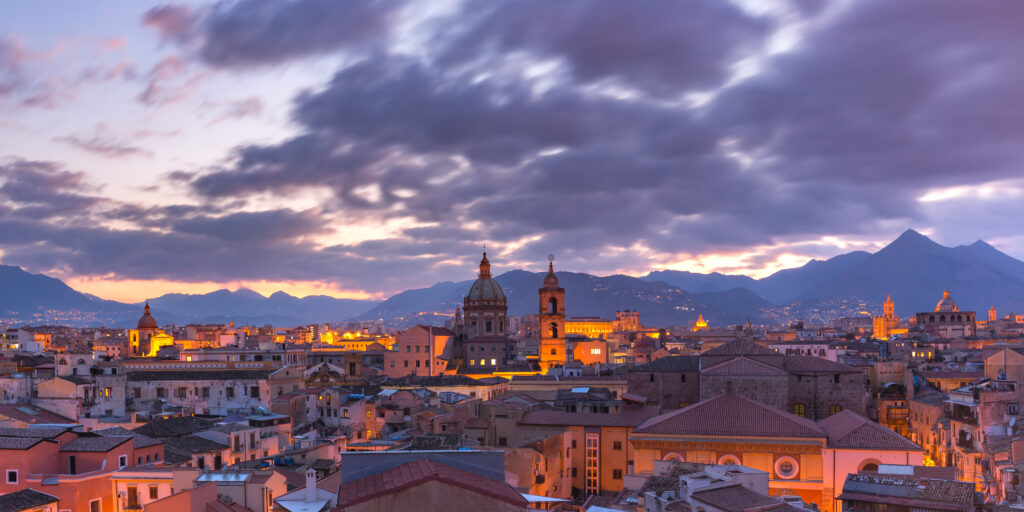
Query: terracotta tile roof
(196,375)
(25,499)
(931,397)
(740,347)
(170,427)
(731,415)
(628,417)
(141,440)
(743,366)
(31,414)
(420,471)
(811,364)
(736,498)
(922,493)
(95,443)
(847,429)
(671,364)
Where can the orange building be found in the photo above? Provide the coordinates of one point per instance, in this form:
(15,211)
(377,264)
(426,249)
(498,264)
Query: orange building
(552,321)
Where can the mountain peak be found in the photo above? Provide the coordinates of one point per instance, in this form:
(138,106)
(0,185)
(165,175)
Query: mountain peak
(913,241)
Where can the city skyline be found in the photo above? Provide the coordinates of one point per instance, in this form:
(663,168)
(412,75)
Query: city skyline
(359,148)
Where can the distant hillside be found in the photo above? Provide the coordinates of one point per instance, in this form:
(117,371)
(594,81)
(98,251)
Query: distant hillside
(586,295)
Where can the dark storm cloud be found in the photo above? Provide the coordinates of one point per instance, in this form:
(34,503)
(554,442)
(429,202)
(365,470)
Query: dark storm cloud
(661,47)
(250,33)
(261,227)
(43,189)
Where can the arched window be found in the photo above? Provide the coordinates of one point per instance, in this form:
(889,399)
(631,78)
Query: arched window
(834,409)
(942,318)
(81,361)
(800,410)
(554,330)
(871,466)
(673,456)
(552,305)
(931,318)
(63,362)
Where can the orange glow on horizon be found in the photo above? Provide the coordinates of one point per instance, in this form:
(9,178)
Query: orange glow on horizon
(138,290)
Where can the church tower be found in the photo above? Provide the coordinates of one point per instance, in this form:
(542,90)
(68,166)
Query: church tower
(889,309)
(551,318)
(992,316)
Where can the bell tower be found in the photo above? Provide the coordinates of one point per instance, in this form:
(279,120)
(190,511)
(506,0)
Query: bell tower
(551,317)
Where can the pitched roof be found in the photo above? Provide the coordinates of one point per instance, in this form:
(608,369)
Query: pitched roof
(188,445)
(736,498)
(31,414)
(811,364)
(170,427)
(731,415)
(740,347)
(628,417)
(25,499)
(84,443)
(744,366)
(141,440)
(847,429)
(901,489)
(671,364)
(420,471)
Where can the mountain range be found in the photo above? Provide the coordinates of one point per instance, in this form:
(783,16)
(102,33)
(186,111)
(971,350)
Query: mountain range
(913,269)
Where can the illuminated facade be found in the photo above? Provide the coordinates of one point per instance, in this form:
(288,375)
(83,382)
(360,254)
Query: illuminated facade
(887,325)
(589,326)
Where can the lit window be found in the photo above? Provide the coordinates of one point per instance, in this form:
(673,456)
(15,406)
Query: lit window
(472,362)
(494,362)
(595,351)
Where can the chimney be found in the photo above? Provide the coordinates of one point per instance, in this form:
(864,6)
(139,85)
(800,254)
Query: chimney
(310,485)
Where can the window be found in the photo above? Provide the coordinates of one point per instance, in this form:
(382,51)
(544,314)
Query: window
(488,324)
(392,363)
(408,348)
(417,364)
(137,393)
(254,391)
(206,392)
(835,379)
(617,445)
(1011,409)
(729,459)
(161,392)
(405,363)
(800,410)
(417,349)
(574,472)
(502,441)
(107,392)
(682,377)
(786,467)
(834,409)
(252,440)
(122,461)
(153,492)
(344,413)
(94,506)
(229,392)
(595,351)
(494,362)
(12,476)
(616,474)
(650,378)
(553,352)
(573,444)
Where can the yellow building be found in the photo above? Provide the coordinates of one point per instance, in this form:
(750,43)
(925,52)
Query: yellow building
(589,326)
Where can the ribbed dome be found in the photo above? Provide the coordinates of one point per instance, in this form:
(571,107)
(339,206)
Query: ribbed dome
(485,288)
(147,321)
(946,304)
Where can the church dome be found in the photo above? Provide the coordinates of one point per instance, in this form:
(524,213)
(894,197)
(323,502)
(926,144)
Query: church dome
(485,288)
(147,321)
(946,304)
(550,280)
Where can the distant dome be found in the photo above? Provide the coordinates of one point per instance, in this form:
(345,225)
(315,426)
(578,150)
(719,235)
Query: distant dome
(485,288)
(946,304)
(147,321)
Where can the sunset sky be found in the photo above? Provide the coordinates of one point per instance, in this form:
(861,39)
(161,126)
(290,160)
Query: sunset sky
(356,148)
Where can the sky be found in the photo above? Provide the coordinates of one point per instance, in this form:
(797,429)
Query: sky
(356,148)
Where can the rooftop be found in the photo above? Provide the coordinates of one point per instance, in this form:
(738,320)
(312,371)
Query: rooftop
(25,499)
(731,415)
(847,429)
(628,417)
(420,471)
(86,443)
